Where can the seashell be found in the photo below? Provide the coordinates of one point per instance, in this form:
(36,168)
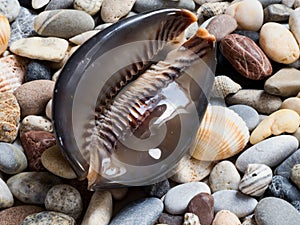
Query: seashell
(256,179)
(4,33)
(81,38)
(224,86)
(120,119)
(13,69)
(222,134)
(191,219)
(211,9)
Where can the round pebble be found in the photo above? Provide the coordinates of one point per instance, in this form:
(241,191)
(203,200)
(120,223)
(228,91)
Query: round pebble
(10,9)
(89,6)
(6,197)
(225,217)
(294,23)
(292,103)
(248,114)
(45,218)
(38,71)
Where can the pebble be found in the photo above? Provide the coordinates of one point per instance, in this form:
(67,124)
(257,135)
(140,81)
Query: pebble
(297,134)
(32,187)
(37,70)
(146,5)
(258,99)
(157,190)
(236,202)
(53,160)
(46,217)
(297,4)
(249,221)
(9,117)
(89,6)
(278,43)
(190,170)
(6,197)
(270,152)
(284,83)
(12,160)
(38,4)
(33,122)
(288,3)
(253,35)
(292,103)
(209,10)
(256,179)
(100,209)
(141,212)
(202,205)
(10,9)
(191,219)
(248,114)
(295,175)
(166,218)
(225,217)
(58,4)
(15,215)
(224,86)
(83,37)
(65,199)
(285,168)
(224,176)
(33,96)
(48,110)
(275,211)
(51,48)
(177,199)
(112,11)
(63,23)
(277,13)
(296,204)
(294,23)
(34,144)
(248,14)
(281,121)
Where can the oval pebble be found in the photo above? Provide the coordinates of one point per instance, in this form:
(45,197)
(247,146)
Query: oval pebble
(33,122)
(37,71)
(45,218)
(143,212)
(6,197)
(178,197)
(248,114)
(112,11)
(234,201)
(275,211)
(292,103)
(58,4)
(90,6)
(225,217)
(271,152)
(285,168)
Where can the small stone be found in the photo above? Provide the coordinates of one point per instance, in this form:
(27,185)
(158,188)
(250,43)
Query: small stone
(51,48)
(250,220)
(211,9)
(178,197)
(9,117)
(146,5)
(166,218)
(10,9)
(202,205)
(295,175)
(239,204)
(38,71)
(63,23)
(158,190)
(12,160)
(46,217)
(103,26)
(33,122)
(253,35)
(270,152)
(6,197)
(49,109)
(89,6)
(277,13)
(118,193)
(38,4)
(294,23)
(143,212)
(278,43)
(292,104)
(58,4)
(191,219)
(297,134)
(33,96)
(32,187)
(258,99)
(285,168)
(248,14)
(248,114)
(275,211)
(99,210)
(224,176)
(112,11)
(81,38)
(225,217)
(53,160)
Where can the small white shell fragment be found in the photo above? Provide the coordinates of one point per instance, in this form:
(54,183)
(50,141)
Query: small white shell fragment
(155,153)
(224,86)
(37,4)
(191,219)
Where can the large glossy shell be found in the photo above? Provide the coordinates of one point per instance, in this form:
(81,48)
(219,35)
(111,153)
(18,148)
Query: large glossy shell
(222,134)
(122,119)
(4,33)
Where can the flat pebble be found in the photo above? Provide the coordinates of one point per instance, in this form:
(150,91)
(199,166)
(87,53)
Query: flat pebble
(236,202)
(285,168)
(278,43)
(112,11)
(258,99)
(166,218)
(178,197)
(275,211)
(51,48)
(271,152)
(100,209)
(224,176)
(248,114)
(281,187)
(46,217)
(295,175)
(157,190)
(33,122)
(10,9)
(37,70)
(33,96)
(32,187)
(292,103)
(63,23)
(277,13)
(294,23)
(6,197)
(146,5)
(58,4)
(225,217)
(141,212)
(89,6)
(12,160)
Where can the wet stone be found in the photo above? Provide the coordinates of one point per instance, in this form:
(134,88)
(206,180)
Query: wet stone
(37,70)
(146,5)
(158,190)
(277,13)
(285,168)
(45,218)
(10,9)
(166,218)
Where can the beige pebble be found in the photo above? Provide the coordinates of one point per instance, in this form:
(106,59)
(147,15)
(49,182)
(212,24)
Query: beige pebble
(81,38)
(50,49)
(49,109)
(291,103)
(118,193)
(278,43)
(113,10)
(294,23)
(281,121)
(33,122)
(225,217)
(89,6)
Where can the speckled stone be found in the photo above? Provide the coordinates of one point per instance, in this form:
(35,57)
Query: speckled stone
(158,190)
(58,4)
(46,217)
(37,70)
(277,13)
(145,5)
(248,114)
(285,168)
(10,9)
(33,122)
(6,197)
(113,10)
(166,218)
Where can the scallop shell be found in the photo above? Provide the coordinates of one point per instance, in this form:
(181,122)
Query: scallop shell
(222,134)
(191,219)
(224,86)
(4,33)
(211,9)
(256,179)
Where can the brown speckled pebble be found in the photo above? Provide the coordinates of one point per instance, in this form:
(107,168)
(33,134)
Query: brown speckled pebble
(47,218)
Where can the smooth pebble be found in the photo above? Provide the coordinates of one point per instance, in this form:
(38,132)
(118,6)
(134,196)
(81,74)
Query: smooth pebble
(294,23)
(33,122)
(37,70)
(10,9)
(166,218)
(89,6)
(113,10)
(248,114)
(284,169)
(292,103)
(46,217)
(295,175)
(157,190)
(225,217)
(58,4)
(146,5)
(6,197)
(277,13)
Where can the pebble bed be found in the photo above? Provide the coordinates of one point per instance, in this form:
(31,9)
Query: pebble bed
(258,75)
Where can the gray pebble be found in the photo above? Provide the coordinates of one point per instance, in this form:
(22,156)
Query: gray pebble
(236,202)
(296,204)
(277,13)
(58,4)
(166,218)
(265,3)
(248,114)
(158,190)
(47,218)
(146,5)
(37,70)
(284,169)
(10,9)
(295,175)
(6,197)
(288,3)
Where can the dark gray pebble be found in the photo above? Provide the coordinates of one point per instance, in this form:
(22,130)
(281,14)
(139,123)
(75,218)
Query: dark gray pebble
(37,70)
(166,218)
(158,190)
(277,13)
(296,204)
(253,35)
(265,3)
(284,169)
(59,4)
